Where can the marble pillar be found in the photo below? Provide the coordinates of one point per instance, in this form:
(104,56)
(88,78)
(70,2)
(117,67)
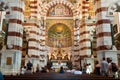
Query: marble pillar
(11,62)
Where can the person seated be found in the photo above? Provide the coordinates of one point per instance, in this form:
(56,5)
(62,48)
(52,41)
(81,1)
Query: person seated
(68,70)
(61,70)
(73,70)
(78,72)
(43,70)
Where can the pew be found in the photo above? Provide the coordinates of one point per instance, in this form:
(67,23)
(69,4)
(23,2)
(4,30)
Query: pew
(57,76)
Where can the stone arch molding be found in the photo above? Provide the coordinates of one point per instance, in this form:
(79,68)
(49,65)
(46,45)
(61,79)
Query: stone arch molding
(56,22)
(64,2)
(113,7)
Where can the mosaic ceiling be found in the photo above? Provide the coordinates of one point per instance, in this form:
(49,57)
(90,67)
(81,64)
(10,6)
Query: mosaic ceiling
(59,35)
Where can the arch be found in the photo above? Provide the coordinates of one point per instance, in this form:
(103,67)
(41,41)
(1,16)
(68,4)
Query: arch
(63,2)
(113,7)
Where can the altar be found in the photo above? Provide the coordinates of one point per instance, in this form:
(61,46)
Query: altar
(59,57)
(56,64)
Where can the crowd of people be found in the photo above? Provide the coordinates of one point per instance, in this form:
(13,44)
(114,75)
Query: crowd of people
(104,68)
(28,69)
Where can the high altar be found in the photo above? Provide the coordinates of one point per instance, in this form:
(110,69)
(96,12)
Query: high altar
(60,58)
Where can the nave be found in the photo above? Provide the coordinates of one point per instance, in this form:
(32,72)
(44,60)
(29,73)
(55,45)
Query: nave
(57,76)
(69,33)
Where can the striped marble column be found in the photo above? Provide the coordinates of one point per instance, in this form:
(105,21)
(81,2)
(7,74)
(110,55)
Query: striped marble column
(76,48)
(85,8)
(103,30)
(15,29)
(33,8)
(14,39)
(32,28)
(43,50)
(84,31)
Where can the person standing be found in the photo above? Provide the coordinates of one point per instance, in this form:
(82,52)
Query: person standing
(23,70)
(112,69)
(89,69)
(97,68)
(37,68)
(1,76)
(29,66)
(104,67)
(61,70)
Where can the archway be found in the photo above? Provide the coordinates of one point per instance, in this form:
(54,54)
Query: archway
(56,2)
(59,39)
(61,11)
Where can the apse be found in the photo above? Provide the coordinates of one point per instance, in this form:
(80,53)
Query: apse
(59,36)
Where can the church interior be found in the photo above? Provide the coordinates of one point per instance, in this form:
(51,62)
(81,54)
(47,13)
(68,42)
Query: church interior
(54,33)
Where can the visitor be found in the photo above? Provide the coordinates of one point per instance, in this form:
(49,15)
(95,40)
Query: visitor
(77,71)
(43,70)
(97,68)
(23,70)
(29,66)
(104,67)
(61,70)
(84,68)
(37,68)
(112,69)
(1,76)
(110,73)
(89,69)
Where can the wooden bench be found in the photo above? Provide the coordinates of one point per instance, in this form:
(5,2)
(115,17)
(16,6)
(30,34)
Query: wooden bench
(57,76)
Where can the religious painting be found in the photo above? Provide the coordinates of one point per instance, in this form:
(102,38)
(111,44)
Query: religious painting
(60,10)
(9,61)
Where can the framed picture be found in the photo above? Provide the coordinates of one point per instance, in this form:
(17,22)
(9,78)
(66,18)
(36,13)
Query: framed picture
(9,61)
